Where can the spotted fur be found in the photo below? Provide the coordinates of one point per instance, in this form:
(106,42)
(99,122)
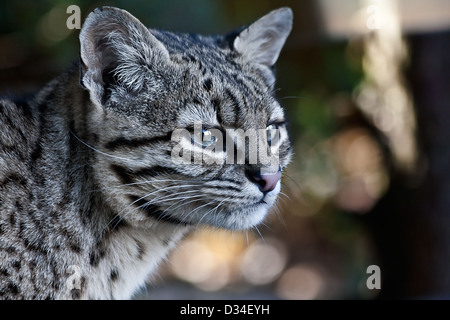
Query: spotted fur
(90,199)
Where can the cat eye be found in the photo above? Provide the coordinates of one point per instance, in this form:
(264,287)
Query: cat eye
(273,133)
(203,139)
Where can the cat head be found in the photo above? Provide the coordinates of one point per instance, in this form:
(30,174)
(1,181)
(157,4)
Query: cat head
(189,130)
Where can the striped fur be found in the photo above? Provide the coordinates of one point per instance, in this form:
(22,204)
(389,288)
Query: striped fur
(90,199)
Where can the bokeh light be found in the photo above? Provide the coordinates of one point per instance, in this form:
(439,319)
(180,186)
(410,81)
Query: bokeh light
(300,282)
(47,29)
(209,260)
(263,261)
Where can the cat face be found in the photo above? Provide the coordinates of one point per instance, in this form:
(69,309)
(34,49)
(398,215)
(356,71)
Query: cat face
(189,130)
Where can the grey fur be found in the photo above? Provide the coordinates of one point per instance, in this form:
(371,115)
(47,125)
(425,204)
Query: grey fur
(90,201)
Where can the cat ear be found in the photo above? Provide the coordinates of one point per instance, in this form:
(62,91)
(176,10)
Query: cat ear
(117,49)
(262,41)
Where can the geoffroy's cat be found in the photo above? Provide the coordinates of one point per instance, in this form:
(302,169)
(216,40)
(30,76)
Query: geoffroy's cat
(91,195)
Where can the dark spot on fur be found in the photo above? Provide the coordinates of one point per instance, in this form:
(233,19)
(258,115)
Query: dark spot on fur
(17,265)
(36,154)
(4,272)
(10,250)
(18,206)
(14,178)
(56,285)
(13,288)
(95,257)
(191,58)
(76,294)
(75,247)
(140,249)
(114,275)
(62,205)
(207,84)
(166,242)
(12,219)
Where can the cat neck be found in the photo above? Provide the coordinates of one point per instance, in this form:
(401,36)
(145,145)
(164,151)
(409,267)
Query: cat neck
(126,258)
(108,258)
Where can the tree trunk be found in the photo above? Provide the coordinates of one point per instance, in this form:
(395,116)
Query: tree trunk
(411,223)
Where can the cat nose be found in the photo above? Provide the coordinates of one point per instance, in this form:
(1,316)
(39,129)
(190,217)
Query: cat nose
(265,182)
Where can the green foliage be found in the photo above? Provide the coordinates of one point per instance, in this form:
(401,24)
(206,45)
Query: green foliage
(313,117)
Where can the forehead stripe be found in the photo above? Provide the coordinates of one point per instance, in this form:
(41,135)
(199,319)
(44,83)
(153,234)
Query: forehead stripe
(235,104)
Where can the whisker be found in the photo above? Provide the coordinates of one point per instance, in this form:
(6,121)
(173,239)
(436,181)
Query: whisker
(149,183)
(96,150)
(278,214)
(157,199)
(145,205)
(163,213)
(256,227)
(292,97)
(213,209)
(284,195)
(197,197)
(292,179)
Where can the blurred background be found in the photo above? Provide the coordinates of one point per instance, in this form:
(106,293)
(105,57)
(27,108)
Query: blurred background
(365,85)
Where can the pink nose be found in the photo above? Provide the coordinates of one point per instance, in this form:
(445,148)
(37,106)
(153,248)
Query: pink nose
(266,182)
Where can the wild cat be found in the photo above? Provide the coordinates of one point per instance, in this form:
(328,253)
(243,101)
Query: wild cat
(92,194)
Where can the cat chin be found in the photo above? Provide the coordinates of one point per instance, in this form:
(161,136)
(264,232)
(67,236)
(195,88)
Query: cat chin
(247,218)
